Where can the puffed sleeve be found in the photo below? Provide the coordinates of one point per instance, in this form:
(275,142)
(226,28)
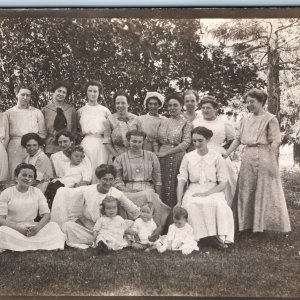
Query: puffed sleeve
(4,200)
(183,170)
(119,167)
(41,123)
(98,225)
(186,136)
(44,168)
(107,132)
(229,131)
(273,131)
(156,172)
(222,175)
(42,202)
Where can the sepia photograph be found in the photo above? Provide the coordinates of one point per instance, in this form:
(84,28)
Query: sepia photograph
(150,152)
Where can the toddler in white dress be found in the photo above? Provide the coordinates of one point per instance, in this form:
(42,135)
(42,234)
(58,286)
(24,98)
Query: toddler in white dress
(143,229)
(110,228)
(180,235)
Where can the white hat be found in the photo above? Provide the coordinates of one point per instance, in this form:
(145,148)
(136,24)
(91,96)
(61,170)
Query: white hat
(157,95)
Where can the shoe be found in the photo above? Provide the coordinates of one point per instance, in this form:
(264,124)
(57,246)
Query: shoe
(102,248)
(216,243)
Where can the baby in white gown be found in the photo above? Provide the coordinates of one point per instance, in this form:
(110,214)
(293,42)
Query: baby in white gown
(180,235)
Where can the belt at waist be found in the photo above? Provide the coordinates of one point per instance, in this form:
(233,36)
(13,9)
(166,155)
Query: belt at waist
(257,145)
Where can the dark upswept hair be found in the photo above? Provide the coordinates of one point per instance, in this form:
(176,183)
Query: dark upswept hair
(180,212)
(260,95)
(106,200)
(135,132)
(66,133)
(31,136)
(96,83)
(61,83)
(207,133)
(25,166)
(211,100)
(72,149)
(104,169)
(177,96)
(122,93)
(191,92)
(23,85)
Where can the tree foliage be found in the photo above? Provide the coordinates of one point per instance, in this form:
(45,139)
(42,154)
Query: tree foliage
(136,55)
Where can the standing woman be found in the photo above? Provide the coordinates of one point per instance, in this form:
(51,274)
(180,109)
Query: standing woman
(150,122)
(92,118)
(58,115)
(118,124)
(4,137)
(191,102)
(259,203)
(174,136)
(22,119)
(223,135)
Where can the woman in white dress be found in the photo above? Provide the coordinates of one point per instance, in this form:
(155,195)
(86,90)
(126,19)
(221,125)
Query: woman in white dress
(22,119)
(82,207)
(19,205)
(205,172)
(4,137)
(223,135)
(92,118)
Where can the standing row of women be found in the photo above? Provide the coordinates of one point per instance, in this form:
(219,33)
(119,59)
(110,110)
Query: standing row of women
(210,180)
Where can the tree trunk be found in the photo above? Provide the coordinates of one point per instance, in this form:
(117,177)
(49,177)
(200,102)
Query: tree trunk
(273,82)
(296,148)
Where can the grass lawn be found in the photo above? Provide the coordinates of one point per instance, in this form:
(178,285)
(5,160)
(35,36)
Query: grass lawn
(266,264)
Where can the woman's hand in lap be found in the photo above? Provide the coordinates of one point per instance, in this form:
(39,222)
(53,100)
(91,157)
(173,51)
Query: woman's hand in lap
(32,231)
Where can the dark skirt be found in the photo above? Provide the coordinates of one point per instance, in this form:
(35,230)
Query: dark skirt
(170,165)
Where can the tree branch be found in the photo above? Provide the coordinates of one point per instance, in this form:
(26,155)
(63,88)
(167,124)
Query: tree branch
(285,43)
(285,27)
(250,49)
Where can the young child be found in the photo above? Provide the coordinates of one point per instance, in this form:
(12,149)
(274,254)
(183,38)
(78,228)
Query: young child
(75,173)
(180,235)
(110,227)
(143,229)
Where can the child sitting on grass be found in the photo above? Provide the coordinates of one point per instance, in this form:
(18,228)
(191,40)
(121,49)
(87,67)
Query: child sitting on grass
(143,229)
(180,235)
(110,227)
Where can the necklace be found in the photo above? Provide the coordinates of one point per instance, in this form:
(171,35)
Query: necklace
(138,168)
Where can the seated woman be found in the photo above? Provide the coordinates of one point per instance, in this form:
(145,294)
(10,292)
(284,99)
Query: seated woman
(205,171)
(32,142)
(77,210)
(19,205)
(139,176)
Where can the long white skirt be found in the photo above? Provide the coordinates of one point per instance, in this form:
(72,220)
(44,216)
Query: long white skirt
(3,163)
(16,154)
(95,151)
(209,216)
(50,237)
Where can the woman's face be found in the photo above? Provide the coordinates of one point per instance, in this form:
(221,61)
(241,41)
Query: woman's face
(199,141)
(136,143)
(111,209)
(92,93)
(24,96)
(174,107)
(76,157)
(32,147)
(253,105)
(121,104)
(153,106)
(106,182)
(190,102)
(208,111)
(25,178)
(60,94)
(64,142)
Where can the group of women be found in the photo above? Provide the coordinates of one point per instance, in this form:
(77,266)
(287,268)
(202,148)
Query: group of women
(182,160)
